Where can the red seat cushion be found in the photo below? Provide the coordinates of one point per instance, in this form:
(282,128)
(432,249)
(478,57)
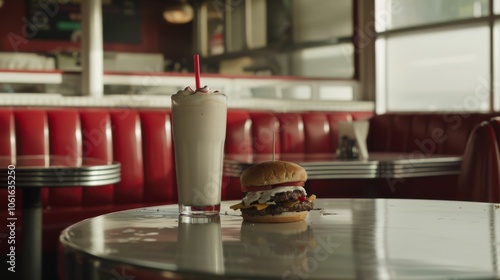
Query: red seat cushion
(65,140)
(7,148)
(379,133)
(436,136)
(97,142)
(418,132)
(292,138)
(238,133)
(127,149)
(265,126)
(158,157)
(7,143)
(400,131)
(32,136)
(317,133)
(32,132)
(7,133)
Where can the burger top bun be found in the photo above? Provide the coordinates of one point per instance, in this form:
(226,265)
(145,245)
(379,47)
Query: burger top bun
(273,172)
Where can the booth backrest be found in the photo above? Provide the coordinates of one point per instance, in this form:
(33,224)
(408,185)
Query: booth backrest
(251,132)
(428,133)
(422,134)
(141,140)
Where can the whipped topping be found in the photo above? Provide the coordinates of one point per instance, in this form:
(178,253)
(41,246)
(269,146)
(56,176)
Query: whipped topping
(200,97)
(265,196)
(203,90)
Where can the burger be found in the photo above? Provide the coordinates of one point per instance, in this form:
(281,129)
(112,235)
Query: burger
(274,193)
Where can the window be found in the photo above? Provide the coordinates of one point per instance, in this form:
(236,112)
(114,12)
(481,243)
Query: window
(396,14)
(437,55)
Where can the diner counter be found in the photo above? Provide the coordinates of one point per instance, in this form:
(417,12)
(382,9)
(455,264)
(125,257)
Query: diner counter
(340,239)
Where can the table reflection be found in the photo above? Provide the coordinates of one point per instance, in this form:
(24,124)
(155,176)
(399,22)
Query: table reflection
(202,237)
(282,247)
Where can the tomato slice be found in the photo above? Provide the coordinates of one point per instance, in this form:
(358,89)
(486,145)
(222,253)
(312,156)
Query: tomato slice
(269,187)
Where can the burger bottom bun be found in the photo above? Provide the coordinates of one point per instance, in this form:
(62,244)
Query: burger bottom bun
(286,217)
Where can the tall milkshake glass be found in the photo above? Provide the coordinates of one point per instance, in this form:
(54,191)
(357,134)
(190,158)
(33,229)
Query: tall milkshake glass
(199,129)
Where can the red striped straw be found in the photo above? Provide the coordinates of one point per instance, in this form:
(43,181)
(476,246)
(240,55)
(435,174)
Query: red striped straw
(197,70)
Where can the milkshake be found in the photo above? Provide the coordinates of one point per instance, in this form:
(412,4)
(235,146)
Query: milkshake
(199,129)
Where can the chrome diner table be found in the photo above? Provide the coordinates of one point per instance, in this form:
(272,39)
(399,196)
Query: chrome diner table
(340,239)
(377,165)
(33,172)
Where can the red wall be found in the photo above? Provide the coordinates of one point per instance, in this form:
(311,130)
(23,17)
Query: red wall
(13,20)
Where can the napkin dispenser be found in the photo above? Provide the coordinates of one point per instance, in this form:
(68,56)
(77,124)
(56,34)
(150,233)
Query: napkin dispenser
(352,139)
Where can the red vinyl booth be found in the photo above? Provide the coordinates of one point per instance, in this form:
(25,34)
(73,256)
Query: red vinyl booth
(427,133)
